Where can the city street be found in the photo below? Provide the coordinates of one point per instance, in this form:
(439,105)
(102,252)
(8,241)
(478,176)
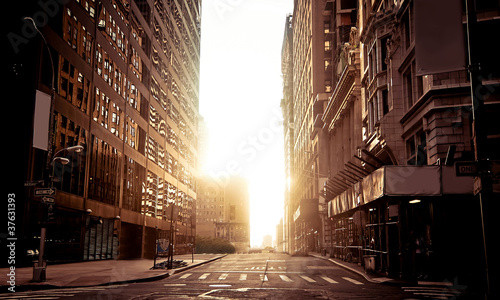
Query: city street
(252,276)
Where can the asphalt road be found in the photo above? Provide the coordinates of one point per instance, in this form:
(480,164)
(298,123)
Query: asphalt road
(245,276)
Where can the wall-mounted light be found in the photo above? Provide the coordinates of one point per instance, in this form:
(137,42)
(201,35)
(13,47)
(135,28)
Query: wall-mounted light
(414,201)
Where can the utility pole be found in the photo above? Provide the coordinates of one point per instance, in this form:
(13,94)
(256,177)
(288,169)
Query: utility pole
(483,182)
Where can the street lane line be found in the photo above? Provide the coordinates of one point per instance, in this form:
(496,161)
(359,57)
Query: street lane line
(186,275)
(328,279)
(243,276)
(352,280)
(223,276)
(307,278)
(285,278)
(220,285)
(204,276)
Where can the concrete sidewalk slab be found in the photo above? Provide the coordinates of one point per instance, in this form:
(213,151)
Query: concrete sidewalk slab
(103,272)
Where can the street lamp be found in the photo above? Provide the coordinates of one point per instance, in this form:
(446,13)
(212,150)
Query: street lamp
(40,268)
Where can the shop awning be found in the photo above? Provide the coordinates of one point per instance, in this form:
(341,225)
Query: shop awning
(307,209)
(401,181)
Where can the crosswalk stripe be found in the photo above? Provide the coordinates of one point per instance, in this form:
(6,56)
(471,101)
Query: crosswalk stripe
(204,276)
(306,278)
(186,275)
(328,279)
(352,280)
(263,277)
(243,276)
(223,276)
(285,278)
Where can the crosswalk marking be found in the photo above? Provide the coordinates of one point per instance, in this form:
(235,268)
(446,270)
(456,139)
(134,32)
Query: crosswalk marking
(285,278)
(352,280)
(433,290)
(56,294)
(307,278)
(328,279)
(310,279)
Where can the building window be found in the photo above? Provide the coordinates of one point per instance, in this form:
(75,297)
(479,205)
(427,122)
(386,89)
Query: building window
(416,149)
(105,168)
(327,27)
(383,51)
(412,85)
(328,45)
(385,101)
(328,86)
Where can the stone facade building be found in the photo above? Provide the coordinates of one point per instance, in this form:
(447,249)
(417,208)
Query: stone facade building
(398,117)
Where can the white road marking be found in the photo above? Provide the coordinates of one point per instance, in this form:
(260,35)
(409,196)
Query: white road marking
(223,276)
(352,280)
(243,276)
(186,275)
(263,277)
(307,278)
(328,279)
(285,278)
(204,276)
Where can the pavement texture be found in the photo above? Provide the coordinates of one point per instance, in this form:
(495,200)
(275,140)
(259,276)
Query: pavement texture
(358,269)
(103,272)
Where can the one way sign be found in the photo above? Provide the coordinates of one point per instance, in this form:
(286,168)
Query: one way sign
(45,192)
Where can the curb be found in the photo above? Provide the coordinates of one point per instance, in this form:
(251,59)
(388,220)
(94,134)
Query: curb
(364,275)
(175,271)
(38,287)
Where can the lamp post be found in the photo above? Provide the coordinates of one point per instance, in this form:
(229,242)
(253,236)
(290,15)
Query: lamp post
(40,268)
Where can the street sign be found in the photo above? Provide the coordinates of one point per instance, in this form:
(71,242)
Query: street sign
(477,185)
(466,168)
(45,192)
(48,200)
(33,183)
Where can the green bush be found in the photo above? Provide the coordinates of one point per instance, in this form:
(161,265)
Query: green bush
(211,245)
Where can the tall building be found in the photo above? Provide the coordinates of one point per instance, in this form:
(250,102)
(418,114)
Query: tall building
(223,211)
(398,116)
(287,111)
(311,85)
(124,76)
(280,245)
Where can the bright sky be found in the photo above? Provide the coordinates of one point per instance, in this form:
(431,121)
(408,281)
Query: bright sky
(240,94)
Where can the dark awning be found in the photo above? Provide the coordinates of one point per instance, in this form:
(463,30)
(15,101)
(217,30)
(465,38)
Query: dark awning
(401,181)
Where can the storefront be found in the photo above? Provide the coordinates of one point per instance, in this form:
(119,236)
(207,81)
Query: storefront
(412,221)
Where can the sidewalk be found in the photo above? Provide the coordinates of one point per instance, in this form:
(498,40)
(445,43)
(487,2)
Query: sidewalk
(102,272)
(356,268)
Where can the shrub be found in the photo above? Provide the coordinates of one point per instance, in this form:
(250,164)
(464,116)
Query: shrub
(211,245)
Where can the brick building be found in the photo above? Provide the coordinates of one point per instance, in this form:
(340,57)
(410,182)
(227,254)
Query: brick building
(398,116)
(223,211)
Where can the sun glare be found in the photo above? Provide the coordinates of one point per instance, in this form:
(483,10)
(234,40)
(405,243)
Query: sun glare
(240,94)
